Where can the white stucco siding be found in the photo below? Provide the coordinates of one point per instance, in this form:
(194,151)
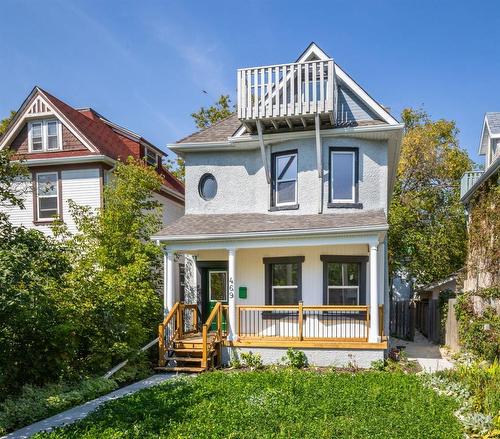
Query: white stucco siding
(83,186)
(242,185)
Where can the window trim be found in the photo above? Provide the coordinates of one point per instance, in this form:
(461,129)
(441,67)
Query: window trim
(36,198)
(45,135)
(292,205)
(202,179)
(361,260)
(268,262)
(344,203)
(146,150)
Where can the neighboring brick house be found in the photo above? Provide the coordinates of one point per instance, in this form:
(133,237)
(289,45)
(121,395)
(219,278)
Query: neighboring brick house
(70,153)
(285,232)
(484,271)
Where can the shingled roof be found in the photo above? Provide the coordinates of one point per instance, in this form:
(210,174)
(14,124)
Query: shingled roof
(239,223)
(219,131)
(493,122)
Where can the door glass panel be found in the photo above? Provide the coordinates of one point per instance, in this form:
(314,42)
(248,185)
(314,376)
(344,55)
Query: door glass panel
(217,286)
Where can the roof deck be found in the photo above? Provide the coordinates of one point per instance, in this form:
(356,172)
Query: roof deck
(288,95)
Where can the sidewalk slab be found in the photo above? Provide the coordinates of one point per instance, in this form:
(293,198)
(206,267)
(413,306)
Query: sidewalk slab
(79,412)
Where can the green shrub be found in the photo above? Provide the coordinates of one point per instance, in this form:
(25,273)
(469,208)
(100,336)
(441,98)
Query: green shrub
(252,361)
(479,333)
(293,358)
(35,403)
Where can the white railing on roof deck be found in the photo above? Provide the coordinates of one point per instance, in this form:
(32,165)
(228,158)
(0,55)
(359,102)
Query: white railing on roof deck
(468,180)
(287,90)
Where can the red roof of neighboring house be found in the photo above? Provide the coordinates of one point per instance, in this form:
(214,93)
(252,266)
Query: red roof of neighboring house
(107,140)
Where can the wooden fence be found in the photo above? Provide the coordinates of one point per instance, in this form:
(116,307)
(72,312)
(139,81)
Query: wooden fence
(428,320)
(402,319)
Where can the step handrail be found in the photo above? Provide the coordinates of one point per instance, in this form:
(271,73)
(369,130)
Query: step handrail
(216,312)
(162,343)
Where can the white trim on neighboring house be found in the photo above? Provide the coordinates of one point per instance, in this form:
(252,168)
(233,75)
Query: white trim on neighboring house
(68,160)
(22,117)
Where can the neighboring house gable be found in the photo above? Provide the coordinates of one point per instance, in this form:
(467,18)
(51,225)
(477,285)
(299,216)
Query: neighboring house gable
(69,153)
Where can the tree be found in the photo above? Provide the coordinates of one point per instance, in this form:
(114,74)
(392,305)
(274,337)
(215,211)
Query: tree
(203,118)
(12,185)
(4,123)
(427,234)
(206,117)
(112,289)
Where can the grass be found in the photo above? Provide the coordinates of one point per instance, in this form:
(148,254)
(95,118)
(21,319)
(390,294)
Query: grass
(276,404)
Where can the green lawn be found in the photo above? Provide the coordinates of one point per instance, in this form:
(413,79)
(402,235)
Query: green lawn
(276,404)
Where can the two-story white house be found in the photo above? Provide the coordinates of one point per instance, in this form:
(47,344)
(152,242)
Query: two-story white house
(70,154)
(284,235)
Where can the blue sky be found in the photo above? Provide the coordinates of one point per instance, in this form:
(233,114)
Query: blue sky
(144,64)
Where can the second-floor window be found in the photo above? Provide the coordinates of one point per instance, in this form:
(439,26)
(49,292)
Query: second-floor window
(47,195)
(284,179)
(151,157)
(45,135)
(343,175)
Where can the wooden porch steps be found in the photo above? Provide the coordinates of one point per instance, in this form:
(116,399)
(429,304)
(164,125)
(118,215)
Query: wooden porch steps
(186,352)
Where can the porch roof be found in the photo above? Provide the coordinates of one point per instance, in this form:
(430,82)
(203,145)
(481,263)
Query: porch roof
(216,226)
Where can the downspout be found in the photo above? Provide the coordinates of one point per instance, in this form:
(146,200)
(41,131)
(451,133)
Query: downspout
(263,151)
(319,163)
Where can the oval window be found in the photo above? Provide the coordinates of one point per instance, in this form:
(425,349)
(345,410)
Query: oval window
(207,187)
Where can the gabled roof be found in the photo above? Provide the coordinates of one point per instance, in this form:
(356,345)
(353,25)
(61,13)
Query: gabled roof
(232,127)
(493,122)
(491,130)
(97,133)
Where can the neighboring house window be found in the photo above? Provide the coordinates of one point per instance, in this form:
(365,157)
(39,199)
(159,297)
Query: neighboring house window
(47,195)
(344,280)
(207,187)
(151,157)
(343,177)
(283,280)
(284,179)
(45,135)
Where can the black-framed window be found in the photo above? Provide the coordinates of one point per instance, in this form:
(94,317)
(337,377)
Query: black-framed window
(284,179)
(207,187)
(344,280)
(283,280)
(343,177)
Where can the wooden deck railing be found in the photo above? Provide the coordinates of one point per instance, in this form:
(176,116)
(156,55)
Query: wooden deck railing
(212,338)
(286,90)
(181,319)
(300,322)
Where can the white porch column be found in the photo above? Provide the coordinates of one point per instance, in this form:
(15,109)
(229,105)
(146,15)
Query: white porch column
(168,281)
(232,335)
(373,335)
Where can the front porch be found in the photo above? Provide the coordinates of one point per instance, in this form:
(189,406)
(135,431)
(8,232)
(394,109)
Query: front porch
(325,296)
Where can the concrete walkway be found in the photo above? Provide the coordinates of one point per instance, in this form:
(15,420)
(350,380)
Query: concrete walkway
(79,412)
(427,354)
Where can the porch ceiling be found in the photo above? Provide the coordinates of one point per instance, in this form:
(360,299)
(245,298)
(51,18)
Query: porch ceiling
(217,226)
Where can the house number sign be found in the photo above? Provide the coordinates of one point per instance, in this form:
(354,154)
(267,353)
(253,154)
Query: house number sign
(231,288)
